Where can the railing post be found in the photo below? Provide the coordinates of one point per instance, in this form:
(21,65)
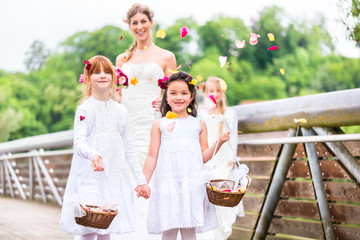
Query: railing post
(16,179)
(49,179)
(2,172)
(341,152)
(275,188)
(38,176)
(319,186)
(31,178)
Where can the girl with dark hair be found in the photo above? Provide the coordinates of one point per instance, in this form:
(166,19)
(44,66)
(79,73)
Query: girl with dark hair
(178,150)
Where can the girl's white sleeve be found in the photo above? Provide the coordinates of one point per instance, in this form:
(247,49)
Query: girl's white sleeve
(130,152)
(232,122)
(82,124)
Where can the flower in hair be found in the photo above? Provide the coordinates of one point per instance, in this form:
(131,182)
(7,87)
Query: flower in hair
(88,65)
(193,82)
(121,78)
(162,82)
(82,78)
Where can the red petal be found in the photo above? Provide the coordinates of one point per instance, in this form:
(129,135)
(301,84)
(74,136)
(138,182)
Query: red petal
(273,48)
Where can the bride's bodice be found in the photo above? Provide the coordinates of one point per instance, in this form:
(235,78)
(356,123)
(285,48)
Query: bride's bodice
(146,90)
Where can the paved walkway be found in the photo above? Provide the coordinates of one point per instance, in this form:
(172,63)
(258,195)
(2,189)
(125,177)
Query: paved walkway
(29,220)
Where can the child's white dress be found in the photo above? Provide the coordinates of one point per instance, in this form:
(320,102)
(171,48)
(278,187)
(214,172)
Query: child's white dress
(179,197)
(102,128)
(218,165)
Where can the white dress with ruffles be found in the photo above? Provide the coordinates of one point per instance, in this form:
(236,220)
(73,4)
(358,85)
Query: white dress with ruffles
(218,165)
(102,128)
(138,100)
(179,197)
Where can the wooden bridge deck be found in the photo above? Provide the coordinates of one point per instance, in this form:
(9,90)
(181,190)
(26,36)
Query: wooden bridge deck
(24,219)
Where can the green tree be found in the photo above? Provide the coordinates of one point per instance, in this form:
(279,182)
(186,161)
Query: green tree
(36,56)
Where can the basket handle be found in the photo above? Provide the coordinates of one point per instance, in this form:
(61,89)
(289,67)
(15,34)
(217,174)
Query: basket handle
(247,185)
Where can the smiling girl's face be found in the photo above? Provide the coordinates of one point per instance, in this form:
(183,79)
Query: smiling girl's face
(179,97)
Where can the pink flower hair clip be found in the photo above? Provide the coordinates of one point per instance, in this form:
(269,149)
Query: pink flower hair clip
(162,82)
(88,65)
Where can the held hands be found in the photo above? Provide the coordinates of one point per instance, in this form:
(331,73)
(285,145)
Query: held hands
(97,163)
(156,104)
(143,191)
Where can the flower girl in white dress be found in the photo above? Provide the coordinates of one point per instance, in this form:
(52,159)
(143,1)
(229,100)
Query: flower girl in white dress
(219,119)
(177,153)
(103,155)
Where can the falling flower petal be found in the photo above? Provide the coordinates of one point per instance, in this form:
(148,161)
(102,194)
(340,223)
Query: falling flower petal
(240,44)
(222,60)
(300,120)
(82,78)
(222,35)
(160,34)
(273,48)
(184,31)
(134,81)
(271,36)
(199,78)
(121,38)
(229,69)
(209,104)
(171,115)
(170,126)
(223,84)
(180,66)
(212,98)
(253,38)
(193,82)
(282,71)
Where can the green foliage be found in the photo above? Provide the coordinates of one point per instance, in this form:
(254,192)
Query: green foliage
(351,18)
(44,99)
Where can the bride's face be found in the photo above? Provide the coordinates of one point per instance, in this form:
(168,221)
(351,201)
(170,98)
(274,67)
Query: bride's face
(140,26)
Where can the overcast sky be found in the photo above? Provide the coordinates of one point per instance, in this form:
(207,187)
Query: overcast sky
(24,21)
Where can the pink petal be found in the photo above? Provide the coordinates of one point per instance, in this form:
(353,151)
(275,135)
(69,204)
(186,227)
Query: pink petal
(240,44)
(212,98)
(273,48)
(184,31)
(253,38)
(222,60)
(170,126)
(82,78)
(209,104)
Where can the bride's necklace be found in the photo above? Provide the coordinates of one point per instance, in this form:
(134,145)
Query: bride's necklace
(145,49)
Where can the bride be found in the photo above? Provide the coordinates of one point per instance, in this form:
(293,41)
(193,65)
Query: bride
(147,63)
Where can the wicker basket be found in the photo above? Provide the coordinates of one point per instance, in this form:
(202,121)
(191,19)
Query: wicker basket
(101,220)
(221,198)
